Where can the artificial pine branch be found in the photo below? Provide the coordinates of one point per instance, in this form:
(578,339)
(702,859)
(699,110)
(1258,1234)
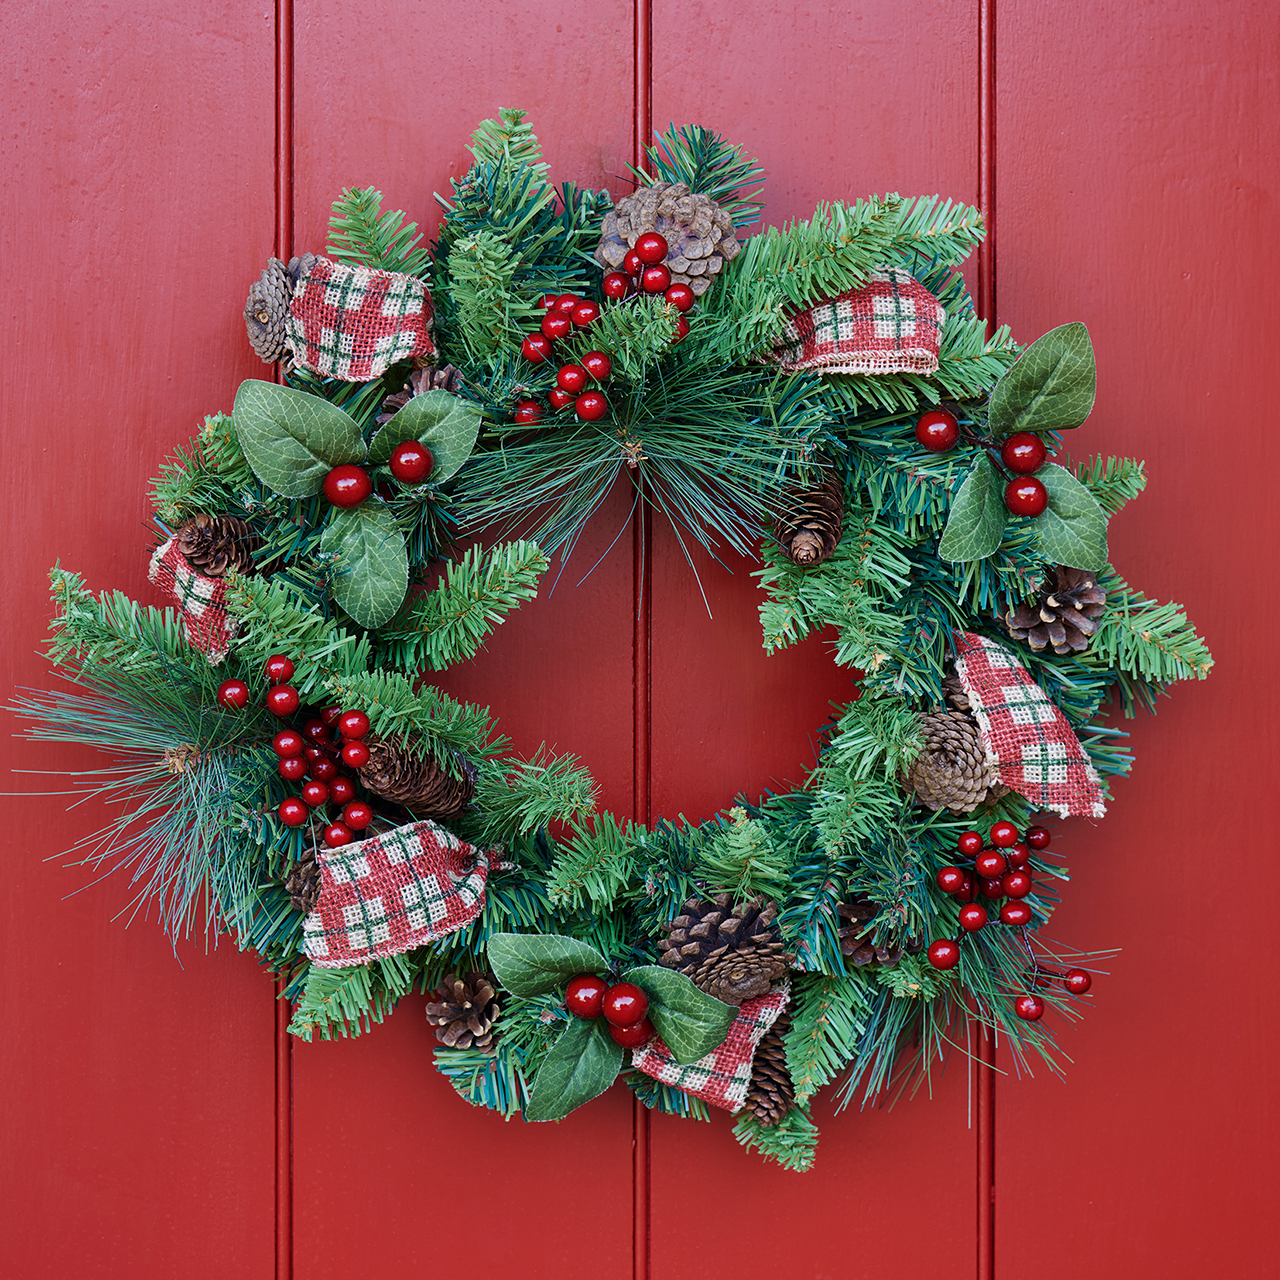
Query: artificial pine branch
(792,1142)
(517,797)
(346,1002)
(1113,481)
(1152,641)
(636,336)
(711,166)
(665,1098)
(364,236)
(488,311)
(741,859)
(937,229)
(594,867)
(828,1017)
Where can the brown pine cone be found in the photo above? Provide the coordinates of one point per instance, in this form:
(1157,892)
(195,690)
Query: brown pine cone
(1066,616)
(267,309)
(812,518)
(732,952)
(218,545)
(699,233)
(436,377)
(418,782)
(952,772)
(463,1011)
(303,883)
(770,1093)
(856,935)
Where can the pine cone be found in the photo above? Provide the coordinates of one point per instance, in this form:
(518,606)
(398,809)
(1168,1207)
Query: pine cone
(303,883)
(809,528)
(436,377)
(218,545)
(856,939)
(770,1093)
(698,232)
(951,772)
(267,309)
(732,952)
(463,1011)
(419,783)
(1071,602)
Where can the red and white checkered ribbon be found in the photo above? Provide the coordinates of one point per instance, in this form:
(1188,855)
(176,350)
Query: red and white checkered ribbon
(210,628)
(891,325)
(353,323)
(1029,743)
(394,892)
(722,1077)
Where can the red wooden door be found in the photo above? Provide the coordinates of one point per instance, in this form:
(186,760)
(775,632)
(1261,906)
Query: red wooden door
(156,1123)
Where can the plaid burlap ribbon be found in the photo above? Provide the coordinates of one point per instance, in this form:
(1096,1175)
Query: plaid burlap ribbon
(210,628)
(353,323)
(891,325)
(394,892)
(721,1078)
(1029,742)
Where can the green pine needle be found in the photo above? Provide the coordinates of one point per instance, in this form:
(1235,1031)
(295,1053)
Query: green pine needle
(364,236)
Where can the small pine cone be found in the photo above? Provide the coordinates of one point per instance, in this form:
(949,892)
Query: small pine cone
(770,1093)
(303,883)
(732,952)
(699,233)
(419,783)
(856,939)
(436,377)
(1066,616)
(218,545)
(812,518)
(463,1011)
(954,692)
(267,309)
(952,772)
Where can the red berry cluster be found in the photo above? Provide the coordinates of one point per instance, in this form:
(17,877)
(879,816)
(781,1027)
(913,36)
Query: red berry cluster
(565,313)
(624,1006)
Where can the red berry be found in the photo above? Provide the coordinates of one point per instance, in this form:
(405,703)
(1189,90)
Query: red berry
(681,333)
(347,486)
(681,296)
(970,844)
(353,724)
(288,742)
(1016,914)
(584,995)
(279,669)
(625,1004)
(937,431)
(549,301)
(1038,837)
(586,313)
(536,348)
(1029,1008)
(556,325)
(314,753)
(357,815)
(591,406)
(950,879)
(1017,884)
(317,731)
(944,954)
(315,794)
(355,755)
(323,769)
(598,365)
(291,768)
(634,1036)
(973,916)
(1023,453)
(655,279)
(616,285)
(559,399)
(631,264)
(336,834)
(411,462)
(233,694)
(292,812)
(1077,981)
(990,889)
(651,248)
(990,865)
(566,302)
(330,715)
(341,789)
(282,700)
(1026,497)
(571,378)
(966,893)
(528,412)
(1004,835)
(1019,855)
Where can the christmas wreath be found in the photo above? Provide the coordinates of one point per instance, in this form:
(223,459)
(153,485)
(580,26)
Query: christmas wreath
(822,391)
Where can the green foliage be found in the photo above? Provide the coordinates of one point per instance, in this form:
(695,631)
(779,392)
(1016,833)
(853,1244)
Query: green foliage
(1051,387)
(742,859)
(364,236)
(636,336)
(827,1021)
(1151,641)
(665,1098)
(482,267)
(346,1002)
(935,229)
(711,166)
(517,797)
(580,1066)
(594,867)
(1072,530)
(1113,481)
(792,1142)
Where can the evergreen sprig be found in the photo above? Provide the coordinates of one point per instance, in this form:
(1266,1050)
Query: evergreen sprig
(711,166)
(792,1142)
(364,236)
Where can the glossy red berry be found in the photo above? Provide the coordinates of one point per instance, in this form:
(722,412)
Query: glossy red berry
(566,302)
(1077,981)
(559,399)
(968,890)
(944,954)
(293,812)
(1017,884)
(681,333)
(651,248)
(571,378)
(1004,835)
(681,296)
(1018,855)
(279,668)
(353,724)
(323,769)
(973,916)
(950,879)
(355,755)
(556,325)
(655,279)
(336,834)
(411,462)
(528,412)
(330,715)
(291,768)
(631,264)
(1023,453)
(315,793)
(616,285)
(990,889)
(1015,914)
(624,1004)
(990,865)
(283,700)
(591,406)
(357,815)
(312,753)
(970,844)
(598,365)
(1029,1008)
(1026,497)
(549,301)
(937,431)
(536,348)
(317,731)
(584,995)
(634,1036)
(233,694)
(586,313)
(347,486)
(341,789)
(1038,837)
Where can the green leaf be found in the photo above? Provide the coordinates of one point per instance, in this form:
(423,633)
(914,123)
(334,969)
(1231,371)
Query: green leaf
(293,440)
(580,1066)
(447,425)
(372,571)
(975,526)
(529,964)
(1051,385)
(691,1022)
(1073,528)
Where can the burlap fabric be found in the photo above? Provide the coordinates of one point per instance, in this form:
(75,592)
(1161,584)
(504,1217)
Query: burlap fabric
(202,600)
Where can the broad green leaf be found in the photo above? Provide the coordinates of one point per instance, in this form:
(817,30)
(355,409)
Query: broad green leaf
(371,574)
(530,964)
(447,425)
(691,1022)
(580,1066)
(1051,385)
(975,526)
(1072,530)
(291,439)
